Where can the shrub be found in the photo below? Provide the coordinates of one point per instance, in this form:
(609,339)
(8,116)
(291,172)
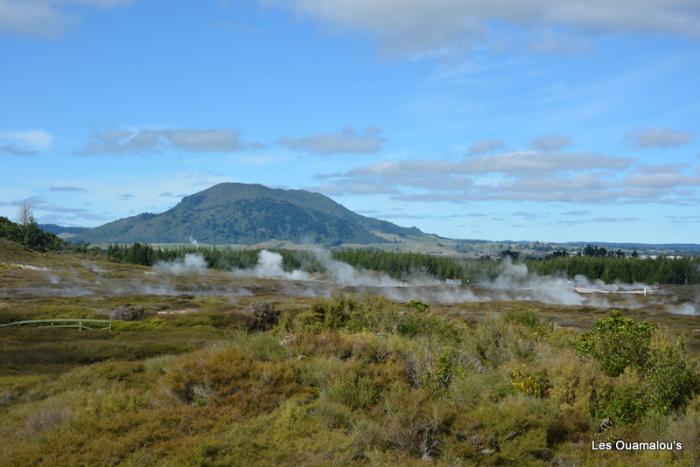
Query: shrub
(526,318)
(418,305)
(264,316)
(356,392)
(531,381)
(521,426)
(334,313)
(471,389)
(230,378)
(618,342)
(44,420)
(415,423)
(669,380)
(491,341)
(621,404)
(128,313)
(435,371)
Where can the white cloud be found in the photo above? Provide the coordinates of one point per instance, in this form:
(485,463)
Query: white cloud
(67,189)
(44,18)
(550,143)
(25,142)
(419,27)
(60,214)
(662,180)
(344,141)
(121,141)
(659,138)
(553,42)
(521,176)
(484,146)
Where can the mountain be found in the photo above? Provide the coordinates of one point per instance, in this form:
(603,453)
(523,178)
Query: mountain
(62,232)
(237,213)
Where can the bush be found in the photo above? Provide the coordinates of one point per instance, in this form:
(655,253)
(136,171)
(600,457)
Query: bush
(418,305)
(334,313)
(618,342)
(531,381)
(669,380)
(230,378)
(435,371)
(621,404)
(264,316)
(356,392)
(665,380)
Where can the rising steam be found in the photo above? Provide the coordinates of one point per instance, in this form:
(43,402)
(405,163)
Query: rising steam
(191,263)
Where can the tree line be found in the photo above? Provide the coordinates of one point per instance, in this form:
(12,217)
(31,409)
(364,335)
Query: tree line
(609,268)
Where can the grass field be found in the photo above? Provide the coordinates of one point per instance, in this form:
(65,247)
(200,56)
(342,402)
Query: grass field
(210,369)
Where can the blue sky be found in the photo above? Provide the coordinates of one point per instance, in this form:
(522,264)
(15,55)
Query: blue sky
(523,120)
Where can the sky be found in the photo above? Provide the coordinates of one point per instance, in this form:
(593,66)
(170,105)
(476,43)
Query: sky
(477,119)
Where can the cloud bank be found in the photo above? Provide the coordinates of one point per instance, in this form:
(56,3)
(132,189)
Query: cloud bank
(45,18)
(433,27)
(24,142)
(535,175)
(658,138)
(118,141)
(344,141)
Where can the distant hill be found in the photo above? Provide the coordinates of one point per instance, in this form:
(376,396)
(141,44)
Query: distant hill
(237,213)
(668,247)
(62,232)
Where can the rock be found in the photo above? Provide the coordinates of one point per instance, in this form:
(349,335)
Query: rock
(488,451)
(476,440)
(127,313)
(605,424)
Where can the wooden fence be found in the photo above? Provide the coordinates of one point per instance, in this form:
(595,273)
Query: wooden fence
(89,324)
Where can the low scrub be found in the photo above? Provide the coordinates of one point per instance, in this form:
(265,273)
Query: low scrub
(347,380)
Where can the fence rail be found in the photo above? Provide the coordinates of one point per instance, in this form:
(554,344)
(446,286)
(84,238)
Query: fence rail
(89,324)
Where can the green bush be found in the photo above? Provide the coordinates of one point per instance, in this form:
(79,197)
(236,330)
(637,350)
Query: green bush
(669,379)
(530,381)
(356,392)
(418,305)
(665,379)
(618,342)
(335,313)
(621,404)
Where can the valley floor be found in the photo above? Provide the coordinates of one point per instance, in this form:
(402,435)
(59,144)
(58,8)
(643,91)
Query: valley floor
(210,369)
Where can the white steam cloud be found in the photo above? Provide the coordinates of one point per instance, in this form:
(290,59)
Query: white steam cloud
(687,309)
(270,267)
(515,282)
(191,263)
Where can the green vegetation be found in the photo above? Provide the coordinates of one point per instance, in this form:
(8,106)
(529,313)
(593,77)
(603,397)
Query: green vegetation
(617,343)
(659,377)
(347,380)
(661,270)
(224,259)
(247,214)
(29,235)
(682,271)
